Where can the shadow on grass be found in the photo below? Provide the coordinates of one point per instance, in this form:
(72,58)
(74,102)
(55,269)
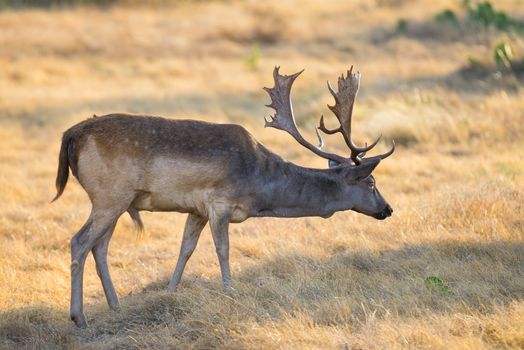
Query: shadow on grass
(51,4)
(345,289)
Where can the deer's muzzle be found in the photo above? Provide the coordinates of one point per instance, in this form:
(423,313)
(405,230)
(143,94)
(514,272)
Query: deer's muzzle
(385,213)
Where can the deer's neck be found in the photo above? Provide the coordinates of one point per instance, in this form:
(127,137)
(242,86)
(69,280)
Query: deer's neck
(289,190)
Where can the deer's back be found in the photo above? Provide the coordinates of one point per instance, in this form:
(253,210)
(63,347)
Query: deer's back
(168,164)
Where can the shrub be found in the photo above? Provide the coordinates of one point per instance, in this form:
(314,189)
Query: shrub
(485,14)
(482,13)
(446,17)
(402,25)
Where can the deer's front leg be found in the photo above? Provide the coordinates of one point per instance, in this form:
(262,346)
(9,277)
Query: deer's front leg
(219,229)
(194,226)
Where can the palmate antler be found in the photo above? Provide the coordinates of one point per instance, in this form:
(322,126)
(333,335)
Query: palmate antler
(343,110)
(284,118)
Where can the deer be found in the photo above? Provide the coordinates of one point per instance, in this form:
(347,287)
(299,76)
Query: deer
(216,173)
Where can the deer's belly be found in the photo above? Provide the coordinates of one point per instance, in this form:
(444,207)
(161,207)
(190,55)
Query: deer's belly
(239,214)
(167,201)
(201,204)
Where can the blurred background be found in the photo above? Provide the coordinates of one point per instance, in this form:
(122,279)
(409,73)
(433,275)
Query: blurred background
(442,78)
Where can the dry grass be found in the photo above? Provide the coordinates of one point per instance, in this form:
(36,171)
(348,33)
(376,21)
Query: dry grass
(349,282)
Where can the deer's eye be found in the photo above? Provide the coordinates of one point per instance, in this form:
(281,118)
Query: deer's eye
(371,185)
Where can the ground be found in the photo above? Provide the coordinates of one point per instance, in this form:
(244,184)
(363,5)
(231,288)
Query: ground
(446,271)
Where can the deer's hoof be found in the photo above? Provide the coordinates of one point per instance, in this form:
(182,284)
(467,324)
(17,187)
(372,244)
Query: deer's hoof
(229,290)
(115,307)
(79,320)
(171,289)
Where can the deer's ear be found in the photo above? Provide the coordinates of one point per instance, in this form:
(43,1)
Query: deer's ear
(362,170)
(333,164)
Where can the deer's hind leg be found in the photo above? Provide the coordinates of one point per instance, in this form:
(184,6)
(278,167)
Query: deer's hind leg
(100,254)
(101,222)
(77,272)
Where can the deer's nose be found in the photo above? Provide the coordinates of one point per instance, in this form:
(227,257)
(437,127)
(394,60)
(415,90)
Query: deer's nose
(384,213)
(388,210)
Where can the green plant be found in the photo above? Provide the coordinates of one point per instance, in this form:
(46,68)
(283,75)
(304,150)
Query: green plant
(446,17)
(505,60)
(503,55)
(485,14)
(435,284)
(253,57)
(402,25)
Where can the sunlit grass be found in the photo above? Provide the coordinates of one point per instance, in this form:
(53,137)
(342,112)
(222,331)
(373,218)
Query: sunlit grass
(455,182)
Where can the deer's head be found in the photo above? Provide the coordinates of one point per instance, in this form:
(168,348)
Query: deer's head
(355,171)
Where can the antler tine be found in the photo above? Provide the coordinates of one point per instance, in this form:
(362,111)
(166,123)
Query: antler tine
(284,118)
(385,155)
(343,109)
(332,91)
(325,130)
(320,141)
(388,153)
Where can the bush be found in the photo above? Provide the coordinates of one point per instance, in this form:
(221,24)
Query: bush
(482,13)
(485,14)
(446,17)
(402,25)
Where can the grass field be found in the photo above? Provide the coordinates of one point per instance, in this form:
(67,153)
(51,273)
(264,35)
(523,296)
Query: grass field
(445,272)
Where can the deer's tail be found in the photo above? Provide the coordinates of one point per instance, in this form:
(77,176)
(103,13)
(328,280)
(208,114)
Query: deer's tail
(66,160)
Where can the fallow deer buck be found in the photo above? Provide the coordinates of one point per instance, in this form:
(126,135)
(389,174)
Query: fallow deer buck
(214,172)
